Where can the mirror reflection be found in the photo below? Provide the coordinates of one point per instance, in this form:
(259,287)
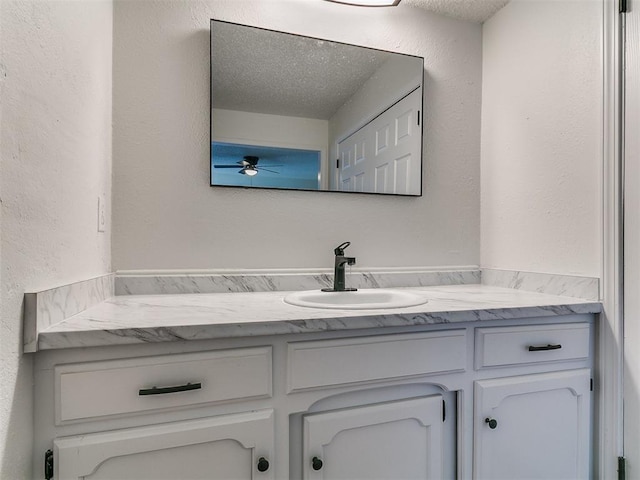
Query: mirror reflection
(294,112)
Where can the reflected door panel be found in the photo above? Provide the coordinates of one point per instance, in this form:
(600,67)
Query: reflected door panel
(384,155)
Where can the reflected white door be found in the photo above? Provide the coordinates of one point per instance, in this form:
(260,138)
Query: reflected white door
(384,156)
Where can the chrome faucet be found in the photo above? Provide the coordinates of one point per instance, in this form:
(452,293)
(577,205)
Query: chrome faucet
(339,267)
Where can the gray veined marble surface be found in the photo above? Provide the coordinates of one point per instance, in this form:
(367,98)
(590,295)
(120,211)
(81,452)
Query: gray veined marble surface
(138,319)
(568,285)
(136,283)
(49,307)
(149,283)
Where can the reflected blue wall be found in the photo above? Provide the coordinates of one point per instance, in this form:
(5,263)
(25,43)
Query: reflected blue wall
(277,167)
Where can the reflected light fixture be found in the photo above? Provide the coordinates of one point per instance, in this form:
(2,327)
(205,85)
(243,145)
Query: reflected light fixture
(250,170)
(368,3)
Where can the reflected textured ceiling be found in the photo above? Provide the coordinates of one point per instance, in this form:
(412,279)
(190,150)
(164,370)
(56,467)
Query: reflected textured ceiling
(248,62)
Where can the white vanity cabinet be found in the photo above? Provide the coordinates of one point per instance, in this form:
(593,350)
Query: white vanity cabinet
(384,403)
(224,447)
(534,426)
(400,439)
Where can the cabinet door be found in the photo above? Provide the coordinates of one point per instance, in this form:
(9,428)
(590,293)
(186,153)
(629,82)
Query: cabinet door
(394,440)
(533,427)
(226,447)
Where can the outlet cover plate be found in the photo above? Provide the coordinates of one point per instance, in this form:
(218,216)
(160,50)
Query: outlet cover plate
(102,216)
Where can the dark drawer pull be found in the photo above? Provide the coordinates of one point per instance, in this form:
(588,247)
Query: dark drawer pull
(163,390)
(544,348)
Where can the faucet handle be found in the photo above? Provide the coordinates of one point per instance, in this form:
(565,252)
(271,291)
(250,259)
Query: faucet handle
(339,250)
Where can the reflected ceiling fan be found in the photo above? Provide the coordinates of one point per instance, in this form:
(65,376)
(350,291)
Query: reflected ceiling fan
(249,166)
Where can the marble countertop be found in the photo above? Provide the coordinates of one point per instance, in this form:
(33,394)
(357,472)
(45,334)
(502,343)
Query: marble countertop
(135,319)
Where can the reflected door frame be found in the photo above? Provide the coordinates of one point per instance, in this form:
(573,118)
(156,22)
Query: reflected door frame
(631,152)
(609,375)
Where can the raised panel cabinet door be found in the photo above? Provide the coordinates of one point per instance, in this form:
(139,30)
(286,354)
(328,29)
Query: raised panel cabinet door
(228,447)
(394,440)
(533,427)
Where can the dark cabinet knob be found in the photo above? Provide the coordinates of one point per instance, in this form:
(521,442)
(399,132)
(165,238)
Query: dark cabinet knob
(263,464)
(493,423)
(316,463)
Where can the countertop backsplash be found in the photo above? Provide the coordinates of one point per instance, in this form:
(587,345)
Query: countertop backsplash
(226,281)
(587,288)
(49,307)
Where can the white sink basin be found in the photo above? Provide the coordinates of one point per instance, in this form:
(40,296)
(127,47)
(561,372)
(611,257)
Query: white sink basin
(358,300)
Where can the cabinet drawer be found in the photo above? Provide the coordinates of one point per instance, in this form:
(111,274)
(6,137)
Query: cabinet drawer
(365,359)
(97,389)
(503,346)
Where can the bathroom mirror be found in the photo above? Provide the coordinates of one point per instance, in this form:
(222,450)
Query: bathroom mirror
(302,113)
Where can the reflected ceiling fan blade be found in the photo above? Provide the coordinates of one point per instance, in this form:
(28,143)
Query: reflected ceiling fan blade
(249,166)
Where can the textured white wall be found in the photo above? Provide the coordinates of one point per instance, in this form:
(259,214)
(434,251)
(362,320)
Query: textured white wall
(55,147)
(166,216)
(541,131)
(272,130)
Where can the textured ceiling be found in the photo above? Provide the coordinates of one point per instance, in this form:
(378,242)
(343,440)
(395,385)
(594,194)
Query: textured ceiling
(470,10)
(261,71)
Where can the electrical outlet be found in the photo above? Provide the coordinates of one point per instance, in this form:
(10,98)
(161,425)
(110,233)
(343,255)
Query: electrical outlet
(102,215)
